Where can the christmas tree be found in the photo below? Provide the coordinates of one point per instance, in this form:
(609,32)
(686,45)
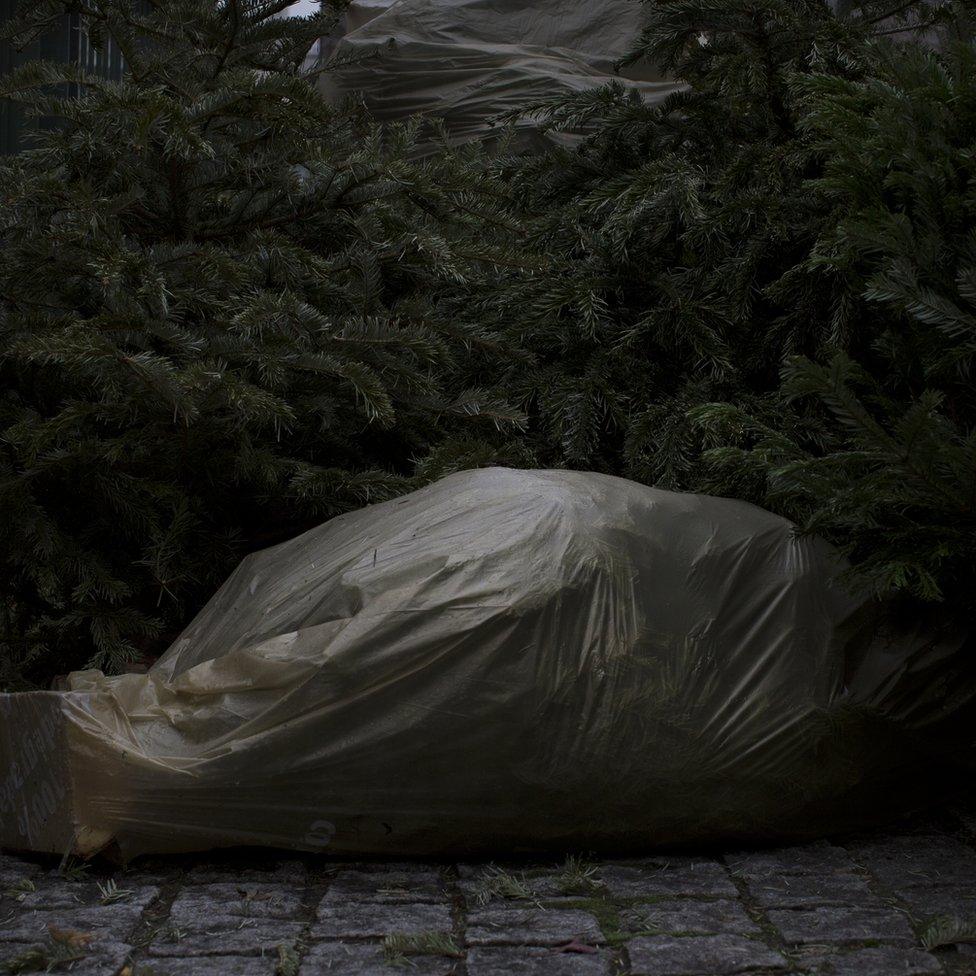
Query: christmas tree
(763,287)
(218,321)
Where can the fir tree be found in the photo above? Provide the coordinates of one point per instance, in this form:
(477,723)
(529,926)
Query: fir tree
(790,236)
(892,476)
(218,321)
(228,308)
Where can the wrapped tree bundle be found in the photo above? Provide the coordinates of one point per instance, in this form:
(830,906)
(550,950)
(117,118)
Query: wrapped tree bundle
(468,63)
(505,661)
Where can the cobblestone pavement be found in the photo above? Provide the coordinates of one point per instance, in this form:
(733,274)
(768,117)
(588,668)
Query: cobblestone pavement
(858,906)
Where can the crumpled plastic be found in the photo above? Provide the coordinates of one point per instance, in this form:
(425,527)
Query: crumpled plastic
(468,63)
(511,661)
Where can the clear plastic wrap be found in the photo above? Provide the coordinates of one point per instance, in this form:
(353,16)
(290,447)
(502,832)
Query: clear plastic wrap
(469,62)
(510,661)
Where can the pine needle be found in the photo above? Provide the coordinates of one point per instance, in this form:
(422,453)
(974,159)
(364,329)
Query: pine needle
(397,945)
(946,931)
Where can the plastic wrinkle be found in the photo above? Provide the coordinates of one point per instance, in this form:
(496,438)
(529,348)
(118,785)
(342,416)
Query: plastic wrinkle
(519,660)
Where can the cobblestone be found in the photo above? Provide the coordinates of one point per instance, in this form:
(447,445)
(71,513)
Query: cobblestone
(699,878)
(841,926)
(849,907)
(238,901)
(537,888)
(688,916)
(919,861)
(935,902)
(229,966)
(536,926)
(391,887)
(14,871)
(364,920)
(886,961)
(106,960)
(359,959)
(804,890)
(108,923)
(709,955)
(49,895)
(820,859)
(225,936)
(536,962)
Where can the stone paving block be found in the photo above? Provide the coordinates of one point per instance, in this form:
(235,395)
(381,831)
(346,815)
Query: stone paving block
(288,872)
(13,870)
(821,858)
(956,902)
(536,962)
(204,966)
(912,861)
(234,910)
(109,923)
(225,936)
(477,893)
(524,869)
(708,955)
(800,890)
(880,961)
(547,887)
(51,895)
(387,886)
(241,901)
(841,926)
(534,926)
(351,959)
(364,920)
(699,878)
(549,882)
(685,915)
(103,959)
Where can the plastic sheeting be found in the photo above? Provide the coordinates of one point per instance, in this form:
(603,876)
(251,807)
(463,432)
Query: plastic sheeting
(517,660)
(468,62)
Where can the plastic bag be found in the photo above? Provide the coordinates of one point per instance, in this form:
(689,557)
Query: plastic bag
(508,661)
(468,62)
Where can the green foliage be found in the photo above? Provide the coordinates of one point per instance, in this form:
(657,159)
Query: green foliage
(892,475)
(398,945)
(948,931)
(218,321)
(665,236)
(228,309)
(496,882)
(288,960)
(579,876)
(763,286)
